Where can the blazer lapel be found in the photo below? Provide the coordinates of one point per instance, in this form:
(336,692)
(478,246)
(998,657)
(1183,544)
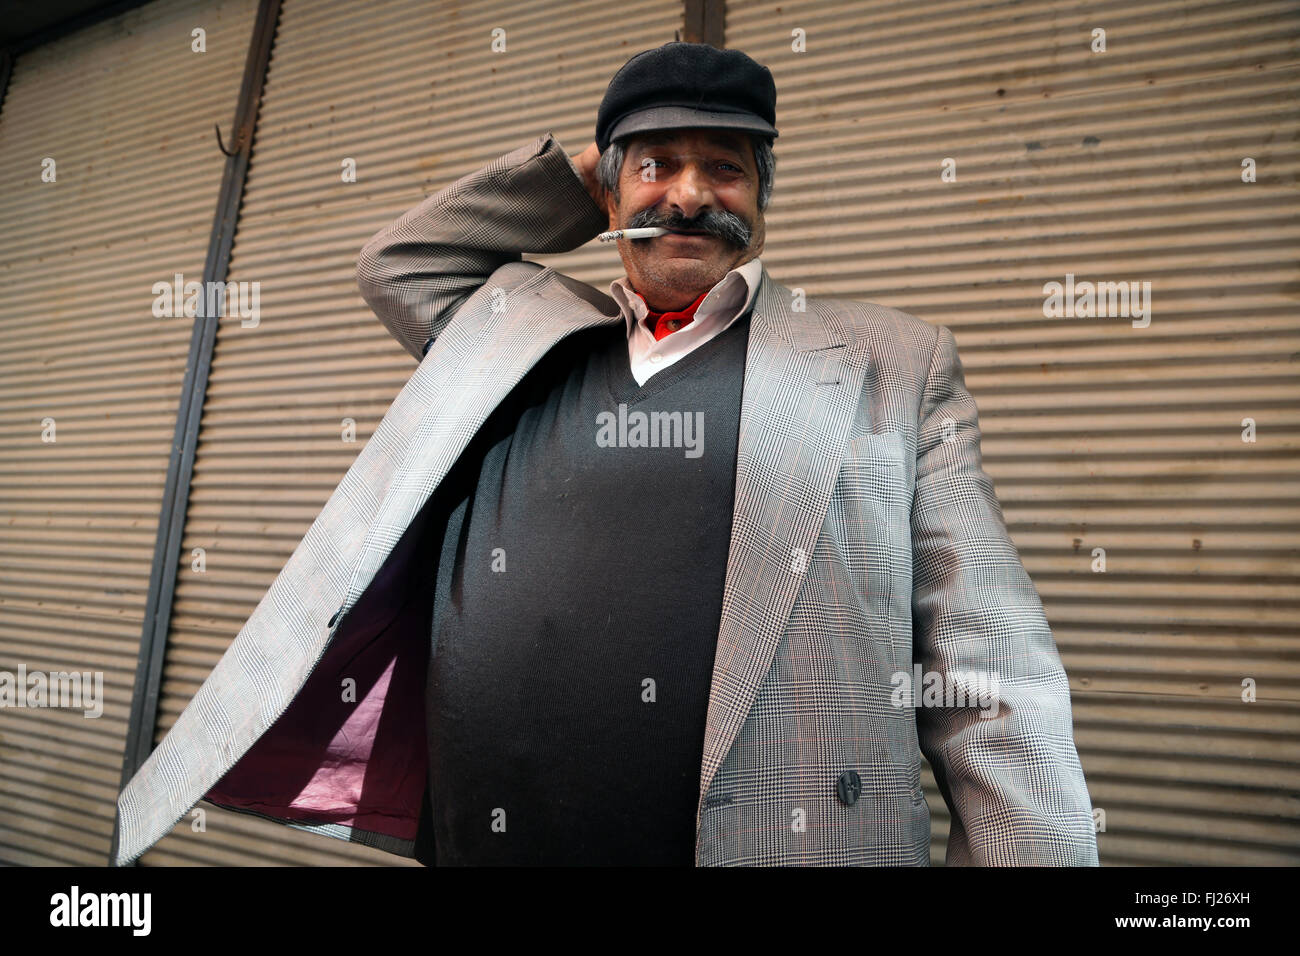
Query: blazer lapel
(470,370)
(803,382)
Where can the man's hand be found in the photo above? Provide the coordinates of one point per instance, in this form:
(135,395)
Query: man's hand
(586,163)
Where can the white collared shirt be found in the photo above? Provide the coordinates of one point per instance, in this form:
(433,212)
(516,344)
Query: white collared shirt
(726,302)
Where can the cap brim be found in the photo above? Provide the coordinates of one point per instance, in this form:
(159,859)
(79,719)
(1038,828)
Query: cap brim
(684,117)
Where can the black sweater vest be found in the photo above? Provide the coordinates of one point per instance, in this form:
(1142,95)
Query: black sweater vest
(576,609)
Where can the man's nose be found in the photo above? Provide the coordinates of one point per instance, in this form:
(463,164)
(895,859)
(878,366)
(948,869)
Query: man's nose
(690,191)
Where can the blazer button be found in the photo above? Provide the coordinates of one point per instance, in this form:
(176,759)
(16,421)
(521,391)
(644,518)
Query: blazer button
(335,618)
(849,787)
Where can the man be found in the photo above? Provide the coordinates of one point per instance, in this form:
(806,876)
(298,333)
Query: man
(679,575)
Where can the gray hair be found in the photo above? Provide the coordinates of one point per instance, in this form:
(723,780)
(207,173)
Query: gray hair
(611,164)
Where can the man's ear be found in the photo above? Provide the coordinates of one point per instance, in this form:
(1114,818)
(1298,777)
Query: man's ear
(611,208)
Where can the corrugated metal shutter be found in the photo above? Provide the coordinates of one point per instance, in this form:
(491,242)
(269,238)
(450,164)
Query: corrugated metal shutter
(1123,165)
(125,109)
(413,93)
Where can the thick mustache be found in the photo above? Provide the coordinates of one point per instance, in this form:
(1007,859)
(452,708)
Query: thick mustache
(726,225)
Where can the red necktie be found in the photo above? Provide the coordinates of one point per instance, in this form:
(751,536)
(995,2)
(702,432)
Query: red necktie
(666,323)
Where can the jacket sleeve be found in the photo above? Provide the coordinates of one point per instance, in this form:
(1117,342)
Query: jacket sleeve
(1012,779)
(417,272)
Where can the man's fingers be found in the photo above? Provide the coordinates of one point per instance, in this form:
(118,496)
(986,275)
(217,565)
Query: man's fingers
(586,162)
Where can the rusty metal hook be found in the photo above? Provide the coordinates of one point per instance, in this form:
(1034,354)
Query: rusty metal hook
(222,146)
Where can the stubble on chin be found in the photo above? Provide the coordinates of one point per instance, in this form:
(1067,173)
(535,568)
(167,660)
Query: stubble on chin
(675,277)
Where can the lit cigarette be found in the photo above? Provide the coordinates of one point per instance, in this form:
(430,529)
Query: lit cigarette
(649,232)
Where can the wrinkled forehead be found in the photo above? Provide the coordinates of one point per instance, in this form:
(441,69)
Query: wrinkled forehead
(737,143)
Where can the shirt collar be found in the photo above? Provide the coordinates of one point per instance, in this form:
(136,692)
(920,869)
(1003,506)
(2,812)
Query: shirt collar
(732,296)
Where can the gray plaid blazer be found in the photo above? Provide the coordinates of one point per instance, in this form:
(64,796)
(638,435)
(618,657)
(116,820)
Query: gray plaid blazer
(867,543)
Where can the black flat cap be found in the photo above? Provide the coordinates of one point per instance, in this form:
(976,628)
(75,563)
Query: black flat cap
(682,85)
